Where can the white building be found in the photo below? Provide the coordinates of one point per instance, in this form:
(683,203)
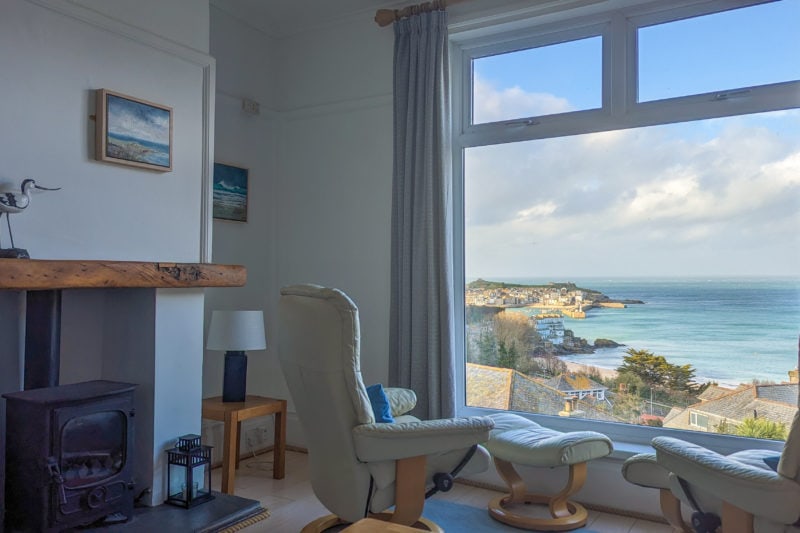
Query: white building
(550,328)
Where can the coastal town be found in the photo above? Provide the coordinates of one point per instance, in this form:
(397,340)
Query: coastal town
(566,299)
(552,302)
(514,363)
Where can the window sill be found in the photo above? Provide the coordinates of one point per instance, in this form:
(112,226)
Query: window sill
(624,450)
(632,439)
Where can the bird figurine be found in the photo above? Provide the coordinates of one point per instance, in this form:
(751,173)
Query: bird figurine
(16,203)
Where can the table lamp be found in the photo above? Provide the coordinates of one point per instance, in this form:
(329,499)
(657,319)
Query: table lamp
(235,332)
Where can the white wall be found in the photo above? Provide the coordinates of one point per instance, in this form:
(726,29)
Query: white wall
(245,69)
(103,211)
(320,184)
(183,21)
(56,54)
(335,173)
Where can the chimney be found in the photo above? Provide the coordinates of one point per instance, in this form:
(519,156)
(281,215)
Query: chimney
(569,407)
(794,376)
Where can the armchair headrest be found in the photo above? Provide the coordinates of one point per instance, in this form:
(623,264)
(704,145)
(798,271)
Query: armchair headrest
(335,297)
(320,333)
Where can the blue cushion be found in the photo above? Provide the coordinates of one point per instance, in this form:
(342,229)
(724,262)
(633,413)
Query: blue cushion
(380,404)
(772,462)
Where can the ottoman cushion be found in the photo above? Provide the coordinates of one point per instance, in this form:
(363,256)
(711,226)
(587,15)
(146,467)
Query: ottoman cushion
(518,440)
(643,470)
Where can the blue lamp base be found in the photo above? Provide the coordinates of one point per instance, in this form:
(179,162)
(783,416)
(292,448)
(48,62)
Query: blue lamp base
(234,383)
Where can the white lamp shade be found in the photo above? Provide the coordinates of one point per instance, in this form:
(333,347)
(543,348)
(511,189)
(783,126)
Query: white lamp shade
(236,331)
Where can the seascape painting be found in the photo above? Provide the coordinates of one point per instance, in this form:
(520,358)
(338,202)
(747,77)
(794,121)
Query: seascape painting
(133,132)
(230,192)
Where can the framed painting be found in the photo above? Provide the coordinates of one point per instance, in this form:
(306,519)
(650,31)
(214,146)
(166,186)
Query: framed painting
(134,132)
(230,192)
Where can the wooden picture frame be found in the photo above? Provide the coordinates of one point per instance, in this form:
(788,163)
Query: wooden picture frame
(131,131)
(230,192)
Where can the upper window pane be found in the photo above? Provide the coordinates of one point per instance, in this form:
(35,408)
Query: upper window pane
(745,47)
(539,81)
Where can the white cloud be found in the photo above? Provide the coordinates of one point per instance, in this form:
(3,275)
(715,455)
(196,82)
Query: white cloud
(538,210)
(492,104)
(710,197)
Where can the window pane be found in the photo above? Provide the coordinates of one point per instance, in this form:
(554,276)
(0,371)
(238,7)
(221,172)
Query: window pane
(538,81)
(739,48)
(653,277)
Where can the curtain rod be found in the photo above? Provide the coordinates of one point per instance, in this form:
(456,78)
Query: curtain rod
(384,17)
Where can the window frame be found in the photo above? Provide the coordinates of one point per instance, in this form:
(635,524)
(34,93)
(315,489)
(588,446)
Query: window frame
(620,110)
(696,419)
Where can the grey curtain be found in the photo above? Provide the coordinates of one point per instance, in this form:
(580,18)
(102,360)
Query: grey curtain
(421,330)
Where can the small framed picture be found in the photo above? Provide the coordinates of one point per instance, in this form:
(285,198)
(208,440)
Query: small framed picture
(133,132)
(230,192)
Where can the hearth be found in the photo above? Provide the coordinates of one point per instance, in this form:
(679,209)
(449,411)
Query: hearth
(69,454)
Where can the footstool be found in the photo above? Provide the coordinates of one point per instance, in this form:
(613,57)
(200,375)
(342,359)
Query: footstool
(643,470)
(517,440)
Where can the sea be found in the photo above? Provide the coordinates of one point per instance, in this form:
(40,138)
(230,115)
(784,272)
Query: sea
(731,330)
(148,152)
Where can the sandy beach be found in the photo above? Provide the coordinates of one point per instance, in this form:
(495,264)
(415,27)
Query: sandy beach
(607,373)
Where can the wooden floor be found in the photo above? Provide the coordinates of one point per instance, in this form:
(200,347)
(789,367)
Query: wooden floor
(292,503)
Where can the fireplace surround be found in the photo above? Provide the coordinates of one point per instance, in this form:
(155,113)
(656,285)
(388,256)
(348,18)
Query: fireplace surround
(143,324)
(69,459)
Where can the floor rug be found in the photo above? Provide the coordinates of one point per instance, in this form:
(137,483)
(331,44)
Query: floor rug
(458,518)
(258,517)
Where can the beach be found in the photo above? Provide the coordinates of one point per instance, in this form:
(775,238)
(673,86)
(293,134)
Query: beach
(606,373)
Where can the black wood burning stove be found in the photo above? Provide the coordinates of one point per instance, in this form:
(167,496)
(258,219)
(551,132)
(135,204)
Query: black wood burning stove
(69,452)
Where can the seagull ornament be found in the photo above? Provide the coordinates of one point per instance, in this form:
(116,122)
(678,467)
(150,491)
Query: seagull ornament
(16,203)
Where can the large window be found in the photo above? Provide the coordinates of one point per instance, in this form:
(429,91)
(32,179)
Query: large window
(631,186)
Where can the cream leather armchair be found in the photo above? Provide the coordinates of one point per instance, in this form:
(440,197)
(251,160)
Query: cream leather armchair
(360,468)
(740,488)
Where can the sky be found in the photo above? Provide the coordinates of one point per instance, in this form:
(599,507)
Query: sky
(140,121)
(717,197)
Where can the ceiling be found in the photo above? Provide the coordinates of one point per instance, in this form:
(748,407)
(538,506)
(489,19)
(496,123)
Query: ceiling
(280,18)
(285,17)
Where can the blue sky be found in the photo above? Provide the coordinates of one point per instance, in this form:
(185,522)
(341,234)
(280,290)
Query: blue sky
(715,197)
(738,48)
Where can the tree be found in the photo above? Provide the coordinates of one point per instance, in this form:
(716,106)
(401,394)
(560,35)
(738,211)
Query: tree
(486,347)
(656,371)
(507,357)
(679,378)
(726,427)
(514,328)
(757,428)
(761,428)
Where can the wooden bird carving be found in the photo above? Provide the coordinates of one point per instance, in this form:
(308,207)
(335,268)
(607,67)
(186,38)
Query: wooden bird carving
(16,203)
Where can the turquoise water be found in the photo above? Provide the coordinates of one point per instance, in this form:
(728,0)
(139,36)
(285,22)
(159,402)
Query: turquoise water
(731,330)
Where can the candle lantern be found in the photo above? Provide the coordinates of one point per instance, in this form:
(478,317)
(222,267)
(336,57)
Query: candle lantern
(189,472)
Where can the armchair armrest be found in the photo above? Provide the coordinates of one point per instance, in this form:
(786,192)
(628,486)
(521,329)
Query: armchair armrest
(761,492)
(390,442)
(401,401)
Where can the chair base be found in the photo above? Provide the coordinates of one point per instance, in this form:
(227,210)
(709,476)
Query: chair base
(423,524)
(566,514)
(326,522)
(576,518)
(671,509)
(322,523)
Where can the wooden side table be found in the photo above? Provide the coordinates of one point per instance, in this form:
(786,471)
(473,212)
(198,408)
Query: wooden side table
(232,414)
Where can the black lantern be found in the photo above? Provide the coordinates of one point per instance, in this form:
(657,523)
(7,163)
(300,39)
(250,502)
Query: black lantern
(189,472)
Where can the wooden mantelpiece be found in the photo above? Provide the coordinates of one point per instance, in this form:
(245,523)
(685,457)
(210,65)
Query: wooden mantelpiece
(44,279)
(46,274)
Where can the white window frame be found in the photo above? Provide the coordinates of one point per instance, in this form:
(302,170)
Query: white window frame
(694,420)
(620,110)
